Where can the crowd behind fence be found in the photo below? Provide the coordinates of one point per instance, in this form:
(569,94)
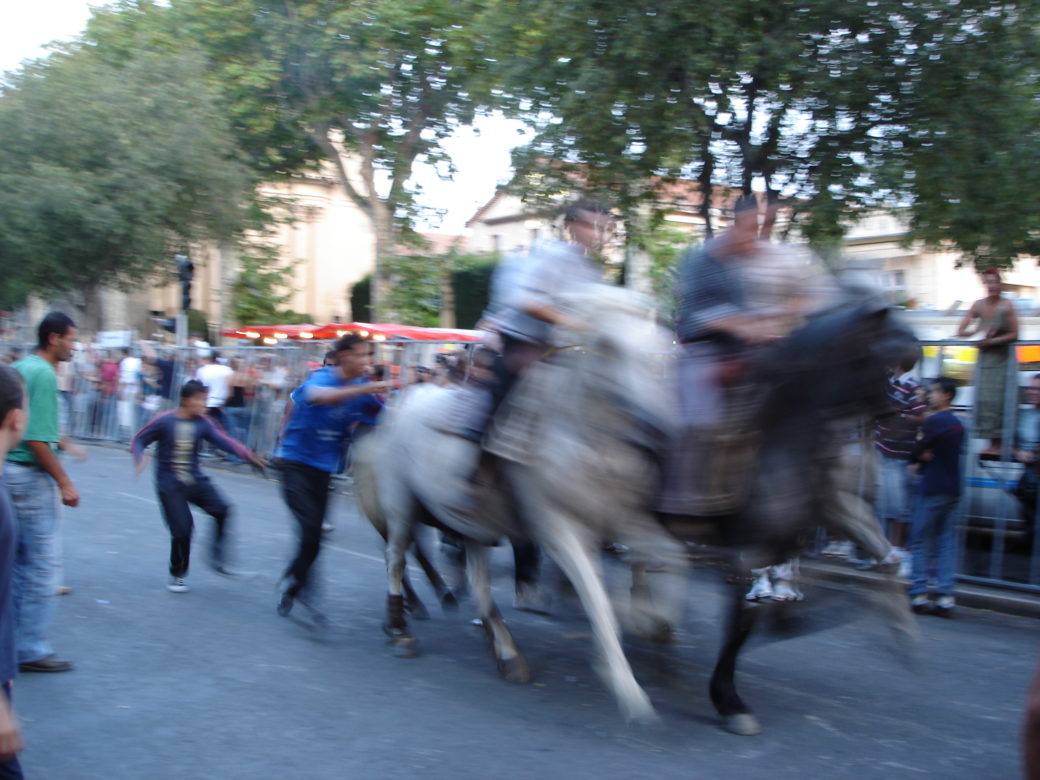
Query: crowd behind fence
(108,394)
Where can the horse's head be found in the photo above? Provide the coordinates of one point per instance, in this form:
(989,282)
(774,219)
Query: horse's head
(837,361)
(624,362)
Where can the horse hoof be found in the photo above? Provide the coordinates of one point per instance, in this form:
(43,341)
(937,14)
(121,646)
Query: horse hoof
(404,647)
(515,670)
(450,602)
(662,634)
(402,644)
(744,724)
(642,716)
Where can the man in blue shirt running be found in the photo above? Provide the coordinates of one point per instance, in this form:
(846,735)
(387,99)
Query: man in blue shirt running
(326,408)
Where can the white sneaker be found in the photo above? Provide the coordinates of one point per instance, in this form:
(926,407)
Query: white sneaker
(177,585)
(761,588)
(837,549)
(784,590)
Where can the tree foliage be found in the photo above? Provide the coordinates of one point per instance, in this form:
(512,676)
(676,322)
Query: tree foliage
(838,106)
(105,170)
(367,88)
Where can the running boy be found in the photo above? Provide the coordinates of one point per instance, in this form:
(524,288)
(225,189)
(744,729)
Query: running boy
(179,481)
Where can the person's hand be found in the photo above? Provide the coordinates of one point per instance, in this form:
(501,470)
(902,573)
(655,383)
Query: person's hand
(927,456)
(69,494)
(141,465)
(258,463)
(10,733)
(913,469)
(76,452)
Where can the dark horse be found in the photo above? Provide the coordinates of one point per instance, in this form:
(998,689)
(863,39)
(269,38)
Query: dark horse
(831,370)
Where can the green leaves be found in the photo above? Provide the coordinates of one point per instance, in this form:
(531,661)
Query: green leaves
(840,106)
(105,167)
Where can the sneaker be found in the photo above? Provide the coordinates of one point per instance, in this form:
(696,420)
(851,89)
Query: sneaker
(177,585)
(761,588)
(944,607)
(285,604)
(906,568)
(837,549)
(784,590)
(921,605)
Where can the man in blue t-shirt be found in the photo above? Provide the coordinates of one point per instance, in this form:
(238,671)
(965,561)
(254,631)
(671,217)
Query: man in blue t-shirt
(325,410)
(937,455)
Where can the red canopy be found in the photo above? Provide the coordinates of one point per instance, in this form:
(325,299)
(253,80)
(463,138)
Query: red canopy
(369,330)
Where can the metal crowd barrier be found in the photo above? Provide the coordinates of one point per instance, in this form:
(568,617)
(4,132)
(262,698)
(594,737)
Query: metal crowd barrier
(997,543)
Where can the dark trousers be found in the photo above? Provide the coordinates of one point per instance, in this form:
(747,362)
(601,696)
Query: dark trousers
(10,769)
(306,493)
(175,498)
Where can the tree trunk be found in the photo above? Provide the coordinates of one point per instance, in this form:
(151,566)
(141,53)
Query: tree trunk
(382,222)
(447,313)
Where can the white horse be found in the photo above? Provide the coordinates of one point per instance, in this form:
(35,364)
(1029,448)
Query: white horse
(577,466)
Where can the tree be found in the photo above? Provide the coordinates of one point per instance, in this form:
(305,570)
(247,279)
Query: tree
(263,286)
(106,169)
(830,103)
(378,83)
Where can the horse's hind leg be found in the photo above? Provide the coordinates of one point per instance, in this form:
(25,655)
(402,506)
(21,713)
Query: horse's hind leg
(736,716)
(576,555)
(511,664)
(449,602)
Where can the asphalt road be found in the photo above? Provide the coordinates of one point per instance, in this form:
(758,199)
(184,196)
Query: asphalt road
(213,684)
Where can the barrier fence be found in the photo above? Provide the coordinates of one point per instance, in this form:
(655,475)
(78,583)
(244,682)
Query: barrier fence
(107,398)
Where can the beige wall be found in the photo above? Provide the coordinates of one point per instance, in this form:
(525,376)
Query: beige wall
(331,242)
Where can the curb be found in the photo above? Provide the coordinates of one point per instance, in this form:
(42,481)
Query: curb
(1007,602)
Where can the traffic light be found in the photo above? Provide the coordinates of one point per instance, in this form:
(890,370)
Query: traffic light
(185,272)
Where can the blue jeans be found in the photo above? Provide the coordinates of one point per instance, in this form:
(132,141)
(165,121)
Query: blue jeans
(933,532)
(37,566)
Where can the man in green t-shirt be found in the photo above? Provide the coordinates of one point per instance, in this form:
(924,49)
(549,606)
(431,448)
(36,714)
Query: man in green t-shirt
(35,479)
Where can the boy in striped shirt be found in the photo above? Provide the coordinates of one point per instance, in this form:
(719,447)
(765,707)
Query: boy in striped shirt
(179,480)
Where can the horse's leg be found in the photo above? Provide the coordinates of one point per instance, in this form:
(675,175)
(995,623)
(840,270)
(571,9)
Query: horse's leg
(576,555)
(736,716)
(653,613)
(511,664)
(423,554)
(399,534)
(412,603)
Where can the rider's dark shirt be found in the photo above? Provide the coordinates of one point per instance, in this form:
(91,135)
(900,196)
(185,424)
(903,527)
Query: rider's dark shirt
(709,290)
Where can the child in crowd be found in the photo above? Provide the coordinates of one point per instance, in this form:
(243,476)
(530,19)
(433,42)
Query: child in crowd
(179,481)
(932,530)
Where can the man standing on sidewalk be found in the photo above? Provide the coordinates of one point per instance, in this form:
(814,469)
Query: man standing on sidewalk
(36,480)
(325,410)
